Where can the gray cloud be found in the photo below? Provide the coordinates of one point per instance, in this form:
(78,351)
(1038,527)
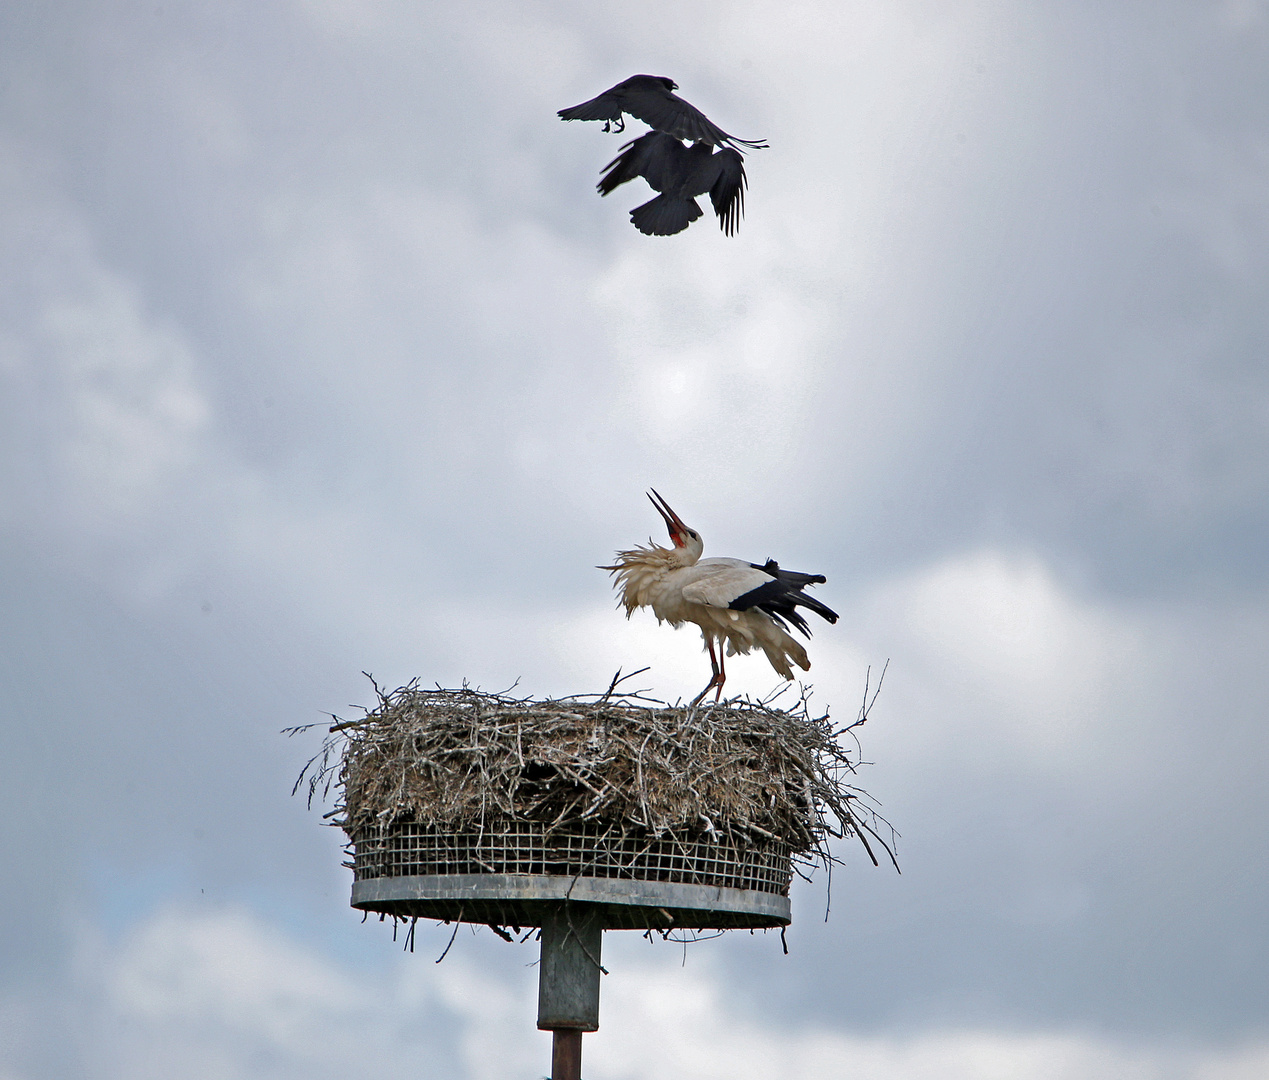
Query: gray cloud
(318,353)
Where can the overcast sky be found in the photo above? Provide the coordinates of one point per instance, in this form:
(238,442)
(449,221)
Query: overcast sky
(320,354)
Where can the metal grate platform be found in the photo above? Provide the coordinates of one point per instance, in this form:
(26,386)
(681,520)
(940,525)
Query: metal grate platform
(412,850)
(512,874)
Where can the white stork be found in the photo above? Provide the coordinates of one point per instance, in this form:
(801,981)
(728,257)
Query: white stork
(736,603)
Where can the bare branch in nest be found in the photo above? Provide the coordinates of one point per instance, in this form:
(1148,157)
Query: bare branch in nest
(618,679)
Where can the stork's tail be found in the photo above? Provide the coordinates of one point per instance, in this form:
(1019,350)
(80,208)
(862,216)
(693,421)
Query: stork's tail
(781,648)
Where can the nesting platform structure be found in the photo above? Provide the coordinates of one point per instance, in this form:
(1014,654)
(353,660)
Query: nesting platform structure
(586,814)
(515,873)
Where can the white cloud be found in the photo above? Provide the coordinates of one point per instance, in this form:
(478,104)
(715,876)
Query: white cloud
(411,374)
(225,970)
(102,400)
(1040,664)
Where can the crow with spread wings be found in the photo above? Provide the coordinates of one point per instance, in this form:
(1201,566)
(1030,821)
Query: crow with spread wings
(651,98)
(679,173)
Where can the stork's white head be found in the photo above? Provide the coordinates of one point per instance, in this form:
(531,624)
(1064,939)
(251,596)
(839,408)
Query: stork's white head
(687,542)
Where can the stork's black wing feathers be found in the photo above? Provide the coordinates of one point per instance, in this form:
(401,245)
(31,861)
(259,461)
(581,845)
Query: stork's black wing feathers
(793,577)
(782,596)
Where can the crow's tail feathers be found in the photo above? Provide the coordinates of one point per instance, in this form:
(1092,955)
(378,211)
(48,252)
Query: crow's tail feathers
(665,215)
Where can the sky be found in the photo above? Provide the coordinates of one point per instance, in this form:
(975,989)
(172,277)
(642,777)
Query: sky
(320,355)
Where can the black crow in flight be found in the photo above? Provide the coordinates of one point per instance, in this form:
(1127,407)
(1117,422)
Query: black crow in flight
(649,98)
(679,173)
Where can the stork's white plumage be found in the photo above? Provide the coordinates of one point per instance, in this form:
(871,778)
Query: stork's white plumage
(738,604)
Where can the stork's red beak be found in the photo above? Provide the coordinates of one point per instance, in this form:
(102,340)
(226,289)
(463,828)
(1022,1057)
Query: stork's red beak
(678,531)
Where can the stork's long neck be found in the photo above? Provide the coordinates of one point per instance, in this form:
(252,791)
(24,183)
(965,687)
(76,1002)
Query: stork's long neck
(687,555)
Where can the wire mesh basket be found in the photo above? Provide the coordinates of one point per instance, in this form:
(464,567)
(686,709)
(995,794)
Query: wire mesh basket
(510,873)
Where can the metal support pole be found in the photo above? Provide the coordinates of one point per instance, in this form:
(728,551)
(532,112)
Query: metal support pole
(568,977)
(568,983)
(566,1055)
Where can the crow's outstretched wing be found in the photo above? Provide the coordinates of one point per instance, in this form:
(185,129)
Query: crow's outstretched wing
(657,157)
(612,102)
(727,192)
(664,111)
(651,98)
(605,107)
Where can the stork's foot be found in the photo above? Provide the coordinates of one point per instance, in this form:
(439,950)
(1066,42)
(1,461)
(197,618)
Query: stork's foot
(716,681)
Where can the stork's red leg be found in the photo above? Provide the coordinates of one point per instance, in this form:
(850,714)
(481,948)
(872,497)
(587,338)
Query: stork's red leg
(716,679)
(722,671)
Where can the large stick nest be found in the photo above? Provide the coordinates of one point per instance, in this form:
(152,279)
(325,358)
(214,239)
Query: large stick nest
(462,759)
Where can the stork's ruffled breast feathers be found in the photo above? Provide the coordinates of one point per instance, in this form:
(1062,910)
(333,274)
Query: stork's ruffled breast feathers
(638,571)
